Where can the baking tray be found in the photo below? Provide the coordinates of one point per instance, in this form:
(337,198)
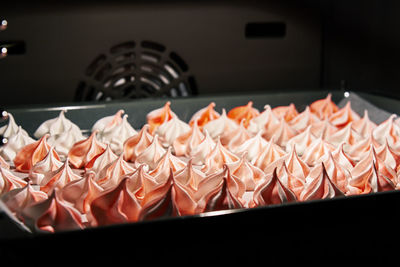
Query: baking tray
(300,232)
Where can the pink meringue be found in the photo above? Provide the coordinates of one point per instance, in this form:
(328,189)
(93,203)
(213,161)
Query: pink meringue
(19,198)
(364,126)
(295,184)
(158,116)
(52,215)
(324,108)
(344,116)
(136,144)
(9,181)
(271,153)
(317,149)
(282,133)
(188,141)
(302,141)
(388,156)
(342,158)
(159,202)
(84,151)
(217,158)
(346,134)
(49,164)
(111,174)
(189,177)
(81,192)
(358,150)
(117,205)
(367,179)
(286,112)
(64,141)
(58,178)
(204,115)
(31,154)
(254,147)
(323,129)
(303,120)
(165,164)
(263,121)
(151,154)
(3,163)
(320,187)
(100,161)
(220,191)
(200,152)
(272,191)
(245,171)
(387,130)
(243,113)
(236,138)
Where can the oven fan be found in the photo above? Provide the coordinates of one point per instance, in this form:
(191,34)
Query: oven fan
(129,70)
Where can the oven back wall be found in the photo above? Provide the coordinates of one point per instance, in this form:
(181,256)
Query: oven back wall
(63,39)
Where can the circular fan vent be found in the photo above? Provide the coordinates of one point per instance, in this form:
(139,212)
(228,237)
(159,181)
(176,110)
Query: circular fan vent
(129,70)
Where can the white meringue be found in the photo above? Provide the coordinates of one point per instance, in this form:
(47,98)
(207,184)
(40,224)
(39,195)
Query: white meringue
(56,126)
(15,143)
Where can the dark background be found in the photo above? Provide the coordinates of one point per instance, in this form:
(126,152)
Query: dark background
(324,45)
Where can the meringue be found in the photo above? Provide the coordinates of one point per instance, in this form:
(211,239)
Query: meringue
(31,154)
(271,153)
(223,192)
(19,198)
(117,205)
(151,154)
(111,174)
(98,163)
(17,141)
(387,130)
(253,147)
(3,163)
(320,187)
(217,158)
(303,120)
(158,116)
(344,116)
(282,133)
(56,126)
(204,115)
(8,181)
(171,129)
(58,178)
(323,129)
(64,141)
(165,164)
(364,126)
(346,134)
(136,144)
(302,141)
(286,113)
(189,177)
(236,138)
(200,152)
(243,113)
(186,142)
(245,171)
(117,135)
(84,151)
(107,123)
(81,192)
(52,215)
(272,191)
(317,149)
(11,128)
(220,126)
(49,164)
(324,108)
(266,119)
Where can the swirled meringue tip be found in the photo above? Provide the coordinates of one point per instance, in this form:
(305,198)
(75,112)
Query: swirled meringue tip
(204,115)
(156,117)
(244,113)
(324,108)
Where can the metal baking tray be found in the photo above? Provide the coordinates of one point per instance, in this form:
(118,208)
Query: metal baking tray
(301,227)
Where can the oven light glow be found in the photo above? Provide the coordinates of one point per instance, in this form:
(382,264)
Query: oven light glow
(3,50)
(4,22)
(346,94)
